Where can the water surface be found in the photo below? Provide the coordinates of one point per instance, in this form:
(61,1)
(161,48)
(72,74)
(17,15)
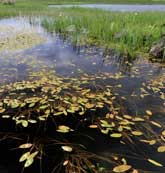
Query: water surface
(67,60)
(117,7)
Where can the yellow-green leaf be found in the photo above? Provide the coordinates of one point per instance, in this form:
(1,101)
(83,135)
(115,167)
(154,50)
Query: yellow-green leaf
(161,149)
(116,135)
(24,156)
(156,124)
(137,133)
(155,163)
(148,112)
(121,168)
(28,162)
(27,145)
(67,148)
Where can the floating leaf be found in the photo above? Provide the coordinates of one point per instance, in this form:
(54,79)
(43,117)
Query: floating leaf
(138,119)
(24,156)
(156,124)
(32,121)
(14,105)
(155,163)
(137,133)
(63,129)
(116,135)
(163,133)
(121,168)
(135,171)
(127,117)
(24,123)
(34,154)
(93,126)
(65,162)
(5,116)
(105,131)
(2,110)
(27,145)
(67,148)
(150,142)
(161,149)
(32,105)
(148,112)
(43,107)
(28,162)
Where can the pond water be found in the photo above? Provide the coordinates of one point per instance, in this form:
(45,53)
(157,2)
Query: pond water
(66,60)
(116,7)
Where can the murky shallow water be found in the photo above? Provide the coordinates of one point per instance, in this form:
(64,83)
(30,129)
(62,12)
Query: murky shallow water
(69,61)
(119,7)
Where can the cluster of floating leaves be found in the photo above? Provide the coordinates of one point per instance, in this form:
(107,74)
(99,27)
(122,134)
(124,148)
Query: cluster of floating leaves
(22,39)
(38,99)
(155,86)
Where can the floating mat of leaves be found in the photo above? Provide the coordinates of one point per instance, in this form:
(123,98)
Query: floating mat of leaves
(51,96)
(15,40)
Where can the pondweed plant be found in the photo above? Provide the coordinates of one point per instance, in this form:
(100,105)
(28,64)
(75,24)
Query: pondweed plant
(48,103)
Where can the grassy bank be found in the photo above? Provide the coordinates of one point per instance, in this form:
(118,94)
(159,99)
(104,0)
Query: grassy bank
(129,31)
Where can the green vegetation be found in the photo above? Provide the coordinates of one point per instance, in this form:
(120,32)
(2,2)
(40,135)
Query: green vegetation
(130,32)
(47,98)
(47,114)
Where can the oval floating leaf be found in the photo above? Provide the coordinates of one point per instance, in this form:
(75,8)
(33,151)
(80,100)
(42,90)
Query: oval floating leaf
(93,126)
(156,124)
(28,162)
(65,162)
(24,123)
(24,156)
(137,133)
(163,133)
(122,168)
(27,145)
(67,148)
(161,149)
(63,129)
(116,135)
(148,112)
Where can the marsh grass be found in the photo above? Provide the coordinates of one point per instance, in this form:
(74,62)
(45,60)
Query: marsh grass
(125,31)
(128,32)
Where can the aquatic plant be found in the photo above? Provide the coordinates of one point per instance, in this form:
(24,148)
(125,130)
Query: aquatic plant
(51,98)
(128,32)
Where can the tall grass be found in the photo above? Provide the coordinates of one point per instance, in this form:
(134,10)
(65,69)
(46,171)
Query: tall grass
(132,31)
(129,31)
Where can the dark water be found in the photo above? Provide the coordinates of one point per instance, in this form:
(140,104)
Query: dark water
(119,7)
(68,60)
